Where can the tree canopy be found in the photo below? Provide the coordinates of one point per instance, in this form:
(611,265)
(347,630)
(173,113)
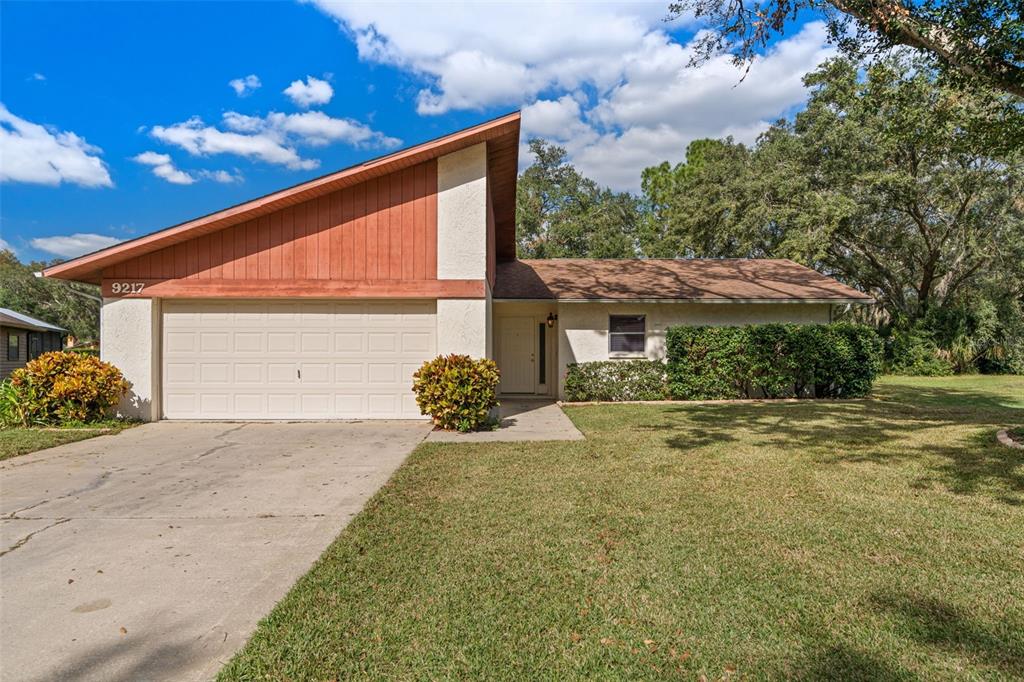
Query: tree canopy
(971,41)
(560,213)
(880,181)
(53,301)
(891,180)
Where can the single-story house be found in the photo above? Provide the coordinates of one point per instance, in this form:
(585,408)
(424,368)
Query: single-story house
(25,338)
(320,300)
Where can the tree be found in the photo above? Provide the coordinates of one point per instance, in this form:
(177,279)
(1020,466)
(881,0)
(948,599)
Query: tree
(973,41)
(53,301)
(881,181)
(561,214)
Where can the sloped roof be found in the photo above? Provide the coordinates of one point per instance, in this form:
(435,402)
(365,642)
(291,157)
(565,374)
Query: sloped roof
(501,135)
(11,318)
(706,280)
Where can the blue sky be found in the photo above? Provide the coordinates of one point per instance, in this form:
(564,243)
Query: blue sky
(123,118)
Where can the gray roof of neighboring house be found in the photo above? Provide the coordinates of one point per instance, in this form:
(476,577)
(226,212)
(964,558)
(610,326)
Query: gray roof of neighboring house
(10,318)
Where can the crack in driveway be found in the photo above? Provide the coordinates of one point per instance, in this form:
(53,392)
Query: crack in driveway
(224,443)
(21,543)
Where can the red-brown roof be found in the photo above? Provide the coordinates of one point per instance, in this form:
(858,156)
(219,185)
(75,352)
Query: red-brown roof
(569,279)
(500,134)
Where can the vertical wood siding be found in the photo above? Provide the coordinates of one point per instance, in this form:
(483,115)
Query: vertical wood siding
(382,229)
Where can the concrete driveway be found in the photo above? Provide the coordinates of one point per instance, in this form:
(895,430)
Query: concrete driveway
(152,554)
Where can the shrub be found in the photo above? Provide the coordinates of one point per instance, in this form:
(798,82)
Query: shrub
(842,358)
(913,353)
(704,363)
(614,380)
(836,360)
(61,387)
(457,391)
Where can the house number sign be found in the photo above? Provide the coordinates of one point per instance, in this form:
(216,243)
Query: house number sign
(127,287)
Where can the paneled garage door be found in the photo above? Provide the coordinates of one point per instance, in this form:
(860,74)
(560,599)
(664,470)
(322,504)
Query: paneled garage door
(294,359)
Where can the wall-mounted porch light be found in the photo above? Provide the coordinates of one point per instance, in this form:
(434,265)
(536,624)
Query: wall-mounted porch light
(551,319)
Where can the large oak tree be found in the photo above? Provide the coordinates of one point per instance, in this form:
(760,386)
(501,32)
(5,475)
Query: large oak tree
(882,181)
(972,41)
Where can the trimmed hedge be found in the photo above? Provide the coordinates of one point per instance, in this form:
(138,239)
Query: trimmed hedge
(614,380)
(838,360)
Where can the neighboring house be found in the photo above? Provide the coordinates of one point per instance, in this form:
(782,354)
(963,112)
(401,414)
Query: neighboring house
(321,300)
(25,338)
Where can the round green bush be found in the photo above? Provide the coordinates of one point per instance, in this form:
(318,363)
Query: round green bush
(457,391)
(61,387)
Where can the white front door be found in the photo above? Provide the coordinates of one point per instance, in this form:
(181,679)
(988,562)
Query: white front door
(516,354)
(285,359)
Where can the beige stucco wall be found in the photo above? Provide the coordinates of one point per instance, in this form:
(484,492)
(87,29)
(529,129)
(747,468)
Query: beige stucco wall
(462,214)
(464,326)
(583,327)
(130,339)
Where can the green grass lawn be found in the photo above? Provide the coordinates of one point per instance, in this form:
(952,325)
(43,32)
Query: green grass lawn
(878,539)
(14,442)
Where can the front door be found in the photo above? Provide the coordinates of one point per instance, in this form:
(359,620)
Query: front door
(516,353)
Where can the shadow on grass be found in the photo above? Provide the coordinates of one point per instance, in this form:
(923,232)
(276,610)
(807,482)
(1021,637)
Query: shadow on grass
(938,624)
(841,662)
(879,430)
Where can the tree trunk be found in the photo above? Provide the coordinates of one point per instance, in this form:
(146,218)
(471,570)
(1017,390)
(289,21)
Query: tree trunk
(893,20)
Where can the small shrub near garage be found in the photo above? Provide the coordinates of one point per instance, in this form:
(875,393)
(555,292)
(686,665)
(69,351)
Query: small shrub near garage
(838,360)
(457,391)
(61,388)
(616,380)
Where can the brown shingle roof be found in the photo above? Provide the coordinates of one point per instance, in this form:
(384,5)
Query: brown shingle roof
(697,280)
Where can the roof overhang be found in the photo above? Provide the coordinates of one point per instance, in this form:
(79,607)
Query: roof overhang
(795,301)
(9,321)
(501,135)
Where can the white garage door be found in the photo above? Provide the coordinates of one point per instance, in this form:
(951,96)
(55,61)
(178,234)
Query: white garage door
(294,359)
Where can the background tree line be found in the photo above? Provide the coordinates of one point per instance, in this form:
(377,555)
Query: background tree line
(891,180)
(49,300)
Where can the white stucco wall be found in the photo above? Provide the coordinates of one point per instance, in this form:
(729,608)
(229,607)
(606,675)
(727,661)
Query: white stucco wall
(130,340)
(462,214)
(583,327)
(464,326)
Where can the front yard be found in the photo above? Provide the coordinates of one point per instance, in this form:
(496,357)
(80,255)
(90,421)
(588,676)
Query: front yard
(877,539)
(20,441)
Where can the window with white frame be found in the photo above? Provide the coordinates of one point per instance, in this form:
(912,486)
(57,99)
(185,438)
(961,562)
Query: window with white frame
(626,334)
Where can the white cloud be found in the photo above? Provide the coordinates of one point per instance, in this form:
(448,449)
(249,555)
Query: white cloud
(221,176)
(37,77)
(164,168)
(6,246)
(605,80)
(72,245)
(36,154)
(199,139)
(313,91)
(245,86)
(313,128)
(272,139)
(475,55)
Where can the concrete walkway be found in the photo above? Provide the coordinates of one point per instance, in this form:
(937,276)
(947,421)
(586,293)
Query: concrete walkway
(521,420)
(152,554)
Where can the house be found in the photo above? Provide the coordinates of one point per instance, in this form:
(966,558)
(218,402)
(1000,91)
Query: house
(321,300)
(25,338)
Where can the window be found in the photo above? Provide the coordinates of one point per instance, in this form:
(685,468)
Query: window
(626,334)
(13,348)
(542,353)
